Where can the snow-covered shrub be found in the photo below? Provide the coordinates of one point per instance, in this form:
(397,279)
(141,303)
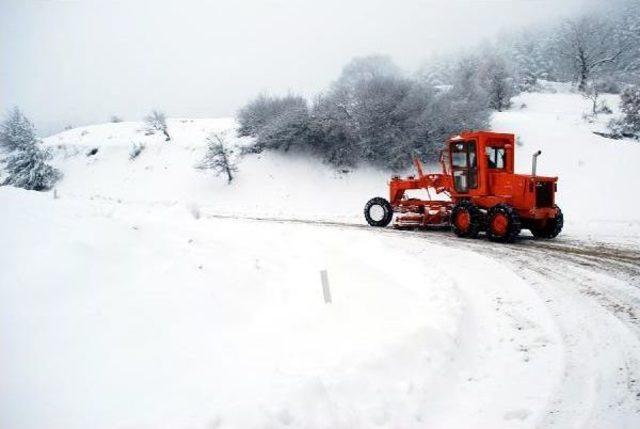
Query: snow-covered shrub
(592,93)
(629,124)
(263,109)
(115,119)
(607,86)
(136,150)
(285,131)
(603,107)
(219,157)
(372,113)
(194,209)
(157,121)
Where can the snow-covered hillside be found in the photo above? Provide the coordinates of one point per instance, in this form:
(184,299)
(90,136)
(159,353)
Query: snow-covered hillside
(140,294)
(595,173)
(269,184)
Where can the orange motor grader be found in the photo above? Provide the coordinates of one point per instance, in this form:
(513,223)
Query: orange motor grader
(482,193)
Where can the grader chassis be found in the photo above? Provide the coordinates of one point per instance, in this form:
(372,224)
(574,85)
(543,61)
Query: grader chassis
(481,190)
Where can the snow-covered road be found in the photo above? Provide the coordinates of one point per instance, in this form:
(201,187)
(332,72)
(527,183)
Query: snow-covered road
(592,293)
(124,315)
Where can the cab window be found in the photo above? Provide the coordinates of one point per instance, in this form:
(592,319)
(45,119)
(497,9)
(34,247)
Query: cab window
(464,166)
(496,157)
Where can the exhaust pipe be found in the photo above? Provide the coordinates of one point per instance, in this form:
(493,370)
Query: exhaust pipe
(534,162)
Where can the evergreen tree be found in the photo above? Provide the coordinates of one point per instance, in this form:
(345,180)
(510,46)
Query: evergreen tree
(16,131)
(26,163)
(27,168)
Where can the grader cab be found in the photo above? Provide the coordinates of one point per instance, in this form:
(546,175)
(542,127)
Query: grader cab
(480,189)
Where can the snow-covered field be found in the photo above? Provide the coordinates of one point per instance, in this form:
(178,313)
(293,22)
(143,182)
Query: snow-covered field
(141,295)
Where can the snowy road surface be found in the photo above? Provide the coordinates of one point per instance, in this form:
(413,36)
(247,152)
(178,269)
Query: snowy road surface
(141,316)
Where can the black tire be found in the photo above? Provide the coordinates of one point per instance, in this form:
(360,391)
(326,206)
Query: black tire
(511,228)
(551,228)
(474,223)
(387,212)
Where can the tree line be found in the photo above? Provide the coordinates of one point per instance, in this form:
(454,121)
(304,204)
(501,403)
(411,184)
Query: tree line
(372,113)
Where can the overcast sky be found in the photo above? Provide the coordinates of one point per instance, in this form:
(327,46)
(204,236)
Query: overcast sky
(78,62)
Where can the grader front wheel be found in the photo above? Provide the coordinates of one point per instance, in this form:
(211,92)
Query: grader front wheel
(378,212)
(466,219)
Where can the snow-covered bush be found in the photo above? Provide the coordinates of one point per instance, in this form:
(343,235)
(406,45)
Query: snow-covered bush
(157,121)
(290,129)
(115,119)
(629,124)
(607,86)
(263,109)
(372,113)
(136,150)
(592,93)
(219,157)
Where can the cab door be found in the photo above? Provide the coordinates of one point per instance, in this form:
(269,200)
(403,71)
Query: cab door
(464,165)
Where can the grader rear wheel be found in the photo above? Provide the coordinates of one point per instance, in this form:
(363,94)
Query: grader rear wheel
(503,223)
(549,228)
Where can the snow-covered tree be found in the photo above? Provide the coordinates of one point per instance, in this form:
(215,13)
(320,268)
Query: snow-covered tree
(498,83)
(219,158)
(26,162)
(628,34)
(157,121)
(528,55)
(589,45)
(629,124)
(27,168)
(16,131)
(592,93)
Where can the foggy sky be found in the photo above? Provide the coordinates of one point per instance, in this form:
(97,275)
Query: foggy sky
(78,62)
